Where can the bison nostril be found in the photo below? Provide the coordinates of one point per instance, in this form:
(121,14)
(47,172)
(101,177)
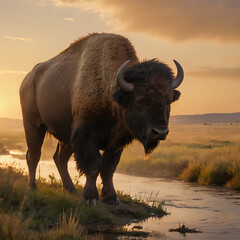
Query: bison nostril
(167,131)
(155,132)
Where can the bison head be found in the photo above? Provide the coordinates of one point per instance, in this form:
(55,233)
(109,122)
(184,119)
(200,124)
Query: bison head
(146,91)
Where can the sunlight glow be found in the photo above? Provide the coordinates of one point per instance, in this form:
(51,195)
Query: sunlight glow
(12,72)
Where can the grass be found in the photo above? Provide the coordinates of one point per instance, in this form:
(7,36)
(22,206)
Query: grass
(206,154)
(52,213)
(219,166)
(14,227)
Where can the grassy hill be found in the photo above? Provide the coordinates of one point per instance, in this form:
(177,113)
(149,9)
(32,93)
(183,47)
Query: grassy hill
(209,118)
(8,124)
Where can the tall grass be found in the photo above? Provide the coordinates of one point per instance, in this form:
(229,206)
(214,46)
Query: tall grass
(204,154)
(218,166)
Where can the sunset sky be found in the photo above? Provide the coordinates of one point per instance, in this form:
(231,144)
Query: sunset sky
(203,35)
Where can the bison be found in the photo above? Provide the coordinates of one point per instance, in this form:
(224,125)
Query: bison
(96,97)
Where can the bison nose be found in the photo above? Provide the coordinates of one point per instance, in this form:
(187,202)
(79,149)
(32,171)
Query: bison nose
(158,133)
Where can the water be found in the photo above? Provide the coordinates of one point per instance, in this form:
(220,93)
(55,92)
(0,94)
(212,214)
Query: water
(213,210)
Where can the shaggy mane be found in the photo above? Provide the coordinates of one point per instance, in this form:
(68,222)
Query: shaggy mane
(78,42)
(143,71)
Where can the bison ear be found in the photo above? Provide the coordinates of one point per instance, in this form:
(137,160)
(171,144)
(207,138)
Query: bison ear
(176,95)
(121,97)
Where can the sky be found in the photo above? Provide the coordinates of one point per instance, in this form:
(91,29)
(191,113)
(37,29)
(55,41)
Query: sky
(204,36)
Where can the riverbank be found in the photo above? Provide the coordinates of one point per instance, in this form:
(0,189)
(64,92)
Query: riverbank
(208,167)
(52,213)
(208,155)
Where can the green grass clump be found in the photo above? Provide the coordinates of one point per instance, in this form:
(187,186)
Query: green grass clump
(52,213)
(46,214)
(147,206)
(45,205)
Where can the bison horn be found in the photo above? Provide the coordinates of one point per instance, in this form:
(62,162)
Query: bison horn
(125,86)
(179,78)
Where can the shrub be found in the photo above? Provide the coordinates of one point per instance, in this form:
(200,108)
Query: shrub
(192,172)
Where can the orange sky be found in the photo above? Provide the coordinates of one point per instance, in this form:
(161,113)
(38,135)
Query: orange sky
(204,36)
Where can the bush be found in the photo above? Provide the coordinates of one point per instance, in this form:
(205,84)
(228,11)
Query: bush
(192,172)
(217,173)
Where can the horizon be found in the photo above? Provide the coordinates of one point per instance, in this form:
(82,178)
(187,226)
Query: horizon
(203,36)
(170,115)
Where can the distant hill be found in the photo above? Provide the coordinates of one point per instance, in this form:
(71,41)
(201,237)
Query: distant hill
(10,124)
(14,124)
(206,118)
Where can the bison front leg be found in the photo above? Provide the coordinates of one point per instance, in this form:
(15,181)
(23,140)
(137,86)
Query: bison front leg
(90,193)
(110,160)
(90,165)
(88,160)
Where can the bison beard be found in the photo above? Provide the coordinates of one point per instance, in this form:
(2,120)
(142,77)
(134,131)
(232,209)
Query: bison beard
(149,146)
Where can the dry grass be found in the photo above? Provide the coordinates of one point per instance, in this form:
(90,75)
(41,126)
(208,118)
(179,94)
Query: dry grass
(218,166)
(207,154)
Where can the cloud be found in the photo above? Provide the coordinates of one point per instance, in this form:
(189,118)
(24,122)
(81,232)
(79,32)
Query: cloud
(12,72)
(178,20)
(18,38)
(69,19)
(41,3)
(223,73)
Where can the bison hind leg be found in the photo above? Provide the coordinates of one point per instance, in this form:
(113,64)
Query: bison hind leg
(34,137)
(61,157)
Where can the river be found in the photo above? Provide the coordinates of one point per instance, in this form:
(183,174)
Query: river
(213,210)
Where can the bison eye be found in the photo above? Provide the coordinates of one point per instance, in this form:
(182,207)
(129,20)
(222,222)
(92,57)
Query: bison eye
(139,103)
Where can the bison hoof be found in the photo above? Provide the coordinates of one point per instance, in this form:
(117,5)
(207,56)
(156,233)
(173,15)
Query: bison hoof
(117,202)
(32,187)
(112,201)
(91,202)
(71,190)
